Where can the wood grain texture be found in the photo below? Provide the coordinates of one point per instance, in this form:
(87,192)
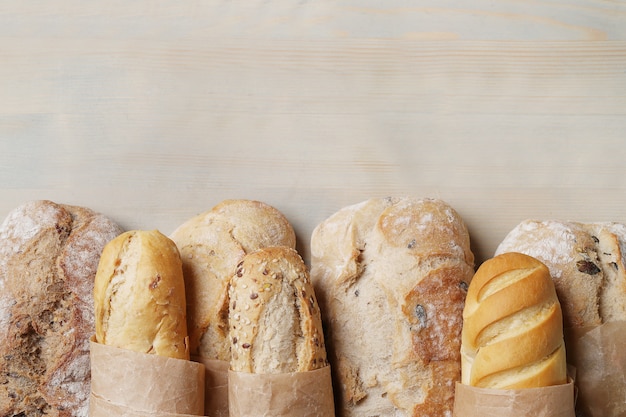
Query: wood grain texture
(151,112)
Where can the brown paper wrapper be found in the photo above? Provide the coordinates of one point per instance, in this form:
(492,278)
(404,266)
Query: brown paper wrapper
(599,355)
(127,383)
(216,386)
(298,394)
(554,401)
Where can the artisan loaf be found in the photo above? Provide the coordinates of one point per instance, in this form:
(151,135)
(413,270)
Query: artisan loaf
(139,295)
(587,262)
(211,245)
(391,276)
(48,258)
(275,321)
(512,326)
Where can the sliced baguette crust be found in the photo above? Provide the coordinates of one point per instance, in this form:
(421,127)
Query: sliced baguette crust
(391,276)
(139,295)
(49,254)
(587,262)
(275,321)
(211,245)
(513,326)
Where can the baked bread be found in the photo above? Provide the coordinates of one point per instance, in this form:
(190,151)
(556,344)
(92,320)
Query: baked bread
(587,262)
(139,295)
(512,326)
(211,245)
(48,258)
(275,321)
(391,277)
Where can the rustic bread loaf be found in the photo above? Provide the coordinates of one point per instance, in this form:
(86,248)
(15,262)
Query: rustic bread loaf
(139,295)
(587,262)
(512,326)
(48,258)
(211,245)
(391,276)
(275,321)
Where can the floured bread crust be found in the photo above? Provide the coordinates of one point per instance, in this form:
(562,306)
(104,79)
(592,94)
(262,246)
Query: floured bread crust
(49,254)
(587,262)
(211,245)
(391,276)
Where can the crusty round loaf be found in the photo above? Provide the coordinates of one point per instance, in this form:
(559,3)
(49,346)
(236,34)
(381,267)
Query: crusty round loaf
(275,321)
(211,245)
(391,277)
(48,258)
(139,295)
(587,262)
(512,326)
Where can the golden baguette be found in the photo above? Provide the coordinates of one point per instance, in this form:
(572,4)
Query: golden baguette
(139,295)
(512,326)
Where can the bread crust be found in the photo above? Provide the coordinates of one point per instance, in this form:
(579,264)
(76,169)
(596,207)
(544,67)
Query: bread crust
(139,295)
(512,326)
(391,276)
(49,254)
(211,245)
(587,262)
(275,321)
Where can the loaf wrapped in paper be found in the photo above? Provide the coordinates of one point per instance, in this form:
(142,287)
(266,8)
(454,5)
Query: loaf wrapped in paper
(295,394)
(553,401)
(211,245)
(128,383)
(278,355)
(587,262)
(140,360)
(513,348)
(599,357)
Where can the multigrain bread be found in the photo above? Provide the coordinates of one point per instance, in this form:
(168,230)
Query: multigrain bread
(139,295)
(587,262)
(211,245)
(275,320)
(512,326)
(391,277)
(48,258)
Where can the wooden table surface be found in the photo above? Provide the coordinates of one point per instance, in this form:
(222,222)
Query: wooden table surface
(151,112)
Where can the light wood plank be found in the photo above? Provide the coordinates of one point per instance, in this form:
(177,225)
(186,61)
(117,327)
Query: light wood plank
(154,112)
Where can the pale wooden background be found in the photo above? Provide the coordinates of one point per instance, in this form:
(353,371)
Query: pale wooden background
(151,112)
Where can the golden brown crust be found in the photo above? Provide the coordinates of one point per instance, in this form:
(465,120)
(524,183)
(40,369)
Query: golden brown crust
(211,245)
(434,308)
(513,327)
(275,321)
(48,259)
(139,295)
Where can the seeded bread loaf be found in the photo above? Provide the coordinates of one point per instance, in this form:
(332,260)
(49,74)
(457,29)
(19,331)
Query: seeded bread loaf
(211,245)
(48,258)
(391,276)
(512,326)
(275,321)
(587,262)
(139,295)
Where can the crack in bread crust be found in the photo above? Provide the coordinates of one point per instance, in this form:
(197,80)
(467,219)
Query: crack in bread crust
(48,259)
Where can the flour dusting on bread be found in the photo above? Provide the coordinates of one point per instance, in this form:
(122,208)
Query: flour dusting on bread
(391,275)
